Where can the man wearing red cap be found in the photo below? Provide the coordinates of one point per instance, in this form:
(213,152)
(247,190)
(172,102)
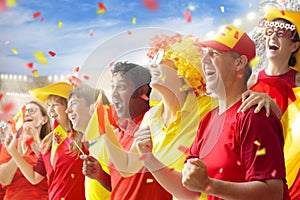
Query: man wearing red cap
(235,155)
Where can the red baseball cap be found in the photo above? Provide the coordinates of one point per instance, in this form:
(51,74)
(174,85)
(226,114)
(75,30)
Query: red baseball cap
(232,39)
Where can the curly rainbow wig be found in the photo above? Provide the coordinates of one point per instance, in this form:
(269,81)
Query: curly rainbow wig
(186,54)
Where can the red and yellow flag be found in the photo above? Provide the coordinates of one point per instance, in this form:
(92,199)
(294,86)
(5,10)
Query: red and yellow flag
(18,120)
(60,143)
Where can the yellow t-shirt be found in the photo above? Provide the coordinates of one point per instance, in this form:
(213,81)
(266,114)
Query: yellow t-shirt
(170,143)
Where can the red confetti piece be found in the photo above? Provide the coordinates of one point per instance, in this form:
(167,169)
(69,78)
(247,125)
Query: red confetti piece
(236,35)
(111,63)
(1,95)
(71,134)
(151,4)
(282,12)
(29,65)
(239,76)
(42,19)
(176,59)
(144,96)
(187,15)
(183,149)
(101,6)
(250,5)
(86,77)
(91,32)
(3,6)
(29,141)
(171,169)
(129,32)
(208,188)
(51,53)
(36,15)
(8,107)
(143,157)
(76,69)
(273,173)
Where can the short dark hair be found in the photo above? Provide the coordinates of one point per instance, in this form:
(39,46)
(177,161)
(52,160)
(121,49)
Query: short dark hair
(89,94)
(137,74)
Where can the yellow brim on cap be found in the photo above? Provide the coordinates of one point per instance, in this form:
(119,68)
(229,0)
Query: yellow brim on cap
(61,89)
(293,17)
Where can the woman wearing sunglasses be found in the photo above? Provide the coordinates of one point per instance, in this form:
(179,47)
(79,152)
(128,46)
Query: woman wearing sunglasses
(36,126)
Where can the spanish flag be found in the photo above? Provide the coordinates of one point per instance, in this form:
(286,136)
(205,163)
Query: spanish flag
(60,142)
(18,120)
(96,125)
(290,123)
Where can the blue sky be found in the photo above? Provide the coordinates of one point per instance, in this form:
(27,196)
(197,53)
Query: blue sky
(72,42)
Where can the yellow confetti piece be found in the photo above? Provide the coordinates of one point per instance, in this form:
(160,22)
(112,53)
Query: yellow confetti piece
(191,7)
(62,198)
(133,21)
(14,51)
(256,142)
(184,88)
(100,11)
(163,78)
(261,1)
(149,180)
(11,3)
(35,73)
(261,152)
(72,176)
(40,57)
(255,61)
(60,24)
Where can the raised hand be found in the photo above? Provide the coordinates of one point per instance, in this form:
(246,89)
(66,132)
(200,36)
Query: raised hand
(143,141)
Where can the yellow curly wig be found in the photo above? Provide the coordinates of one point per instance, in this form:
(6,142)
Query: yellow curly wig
(186,55)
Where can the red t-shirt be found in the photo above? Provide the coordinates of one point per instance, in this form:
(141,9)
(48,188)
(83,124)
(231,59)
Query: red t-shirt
(228,145)
(66,181)
(20,187)
(2,192)
(289,77)
(141,185)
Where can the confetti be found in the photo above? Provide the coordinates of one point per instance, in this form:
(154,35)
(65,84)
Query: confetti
(238,163)
(149,180)
(36,15)
(91,32)
(102,8)
(273,173)
(184,88)
(42,19)
(51,53)
(256,142)
(171,169)
(143,157)
(222,8)
(72,134)
(145,97)
(6,42)
(163,78)
(239,76)
(86,77)
(187,15)
(221,170)
(3,6)
(35,73)
(29,141)
(11,3)
(40,57)
(255,61)
(133,21)
(76,69)
(1,95)
(60,24)
(183,149)
(191,7)
(8,107)
(72,176)
(151,4)
(250,5)
(129,32)
(14,51)
(111,63)
(29,65)
(282,12)
(208,188)
(261,152)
